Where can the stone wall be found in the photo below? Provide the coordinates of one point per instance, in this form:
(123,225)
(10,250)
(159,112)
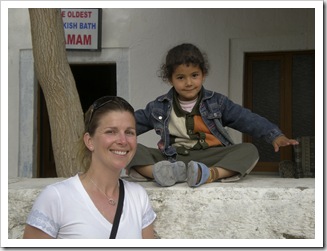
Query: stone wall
(257,207)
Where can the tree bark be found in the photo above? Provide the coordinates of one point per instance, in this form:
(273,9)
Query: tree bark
(57,82)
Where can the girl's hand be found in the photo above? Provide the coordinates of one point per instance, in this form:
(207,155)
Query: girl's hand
(283,141)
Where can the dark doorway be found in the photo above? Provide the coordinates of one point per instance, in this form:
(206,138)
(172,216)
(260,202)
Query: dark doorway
(92,81)
(280,86)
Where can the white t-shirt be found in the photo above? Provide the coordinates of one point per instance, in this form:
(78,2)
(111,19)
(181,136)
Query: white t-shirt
(64,210)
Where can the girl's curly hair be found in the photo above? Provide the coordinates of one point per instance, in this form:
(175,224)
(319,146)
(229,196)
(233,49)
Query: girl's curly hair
(187,54)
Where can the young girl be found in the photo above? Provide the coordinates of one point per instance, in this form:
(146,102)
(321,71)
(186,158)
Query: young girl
(194,145)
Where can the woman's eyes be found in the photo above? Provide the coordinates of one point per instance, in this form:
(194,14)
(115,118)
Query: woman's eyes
(127,132)
(131,133)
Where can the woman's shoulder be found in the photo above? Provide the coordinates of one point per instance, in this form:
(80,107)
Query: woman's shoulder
(133,187)
(64,190)
(66,181)
(131,184)
(62,185)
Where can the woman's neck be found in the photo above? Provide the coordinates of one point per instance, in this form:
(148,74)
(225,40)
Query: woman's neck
(106,181)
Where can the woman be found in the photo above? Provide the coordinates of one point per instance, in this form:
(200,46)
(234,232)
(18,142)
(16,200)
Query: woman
(84,206)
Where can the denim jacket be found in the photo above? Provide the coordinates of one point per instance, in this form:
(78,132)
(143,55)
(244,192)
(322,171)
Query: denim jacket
(217,112)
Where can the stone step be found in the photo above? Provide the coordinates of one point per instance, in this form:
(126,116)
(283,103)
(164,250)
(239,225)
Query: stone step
(257,207)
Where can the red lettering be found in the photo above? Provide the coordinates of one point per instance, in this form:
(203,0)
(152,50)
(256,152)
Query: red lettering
(79,14)
(70,39)
(79,39)
(87,39)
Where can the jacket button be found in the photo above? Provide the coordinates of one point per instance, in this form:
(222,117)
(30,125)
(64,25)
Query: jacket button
(160,117)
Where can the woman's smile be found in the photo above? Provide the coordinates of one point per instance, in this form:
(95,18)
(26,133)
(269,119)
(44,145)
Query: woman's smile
(120,153)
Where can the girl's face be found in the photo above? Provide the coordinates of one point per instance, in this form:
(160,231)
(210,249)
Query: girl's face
(187,81)
(114,141)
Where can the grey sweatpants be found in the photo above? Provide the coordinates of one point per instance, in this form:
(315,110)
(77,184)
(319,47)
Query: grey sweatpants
(238,158)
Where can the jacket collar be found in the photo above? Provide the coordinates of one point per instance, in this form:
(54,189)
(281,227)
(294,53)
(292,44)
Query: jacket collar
(168,96)
(206,94)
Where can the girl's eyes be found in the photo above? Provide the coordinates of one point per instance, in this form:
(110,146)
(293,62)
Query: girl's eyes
(194,75)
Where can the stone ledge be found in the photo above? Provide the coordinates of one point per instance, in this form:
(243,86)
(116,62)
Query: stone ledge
(257,207)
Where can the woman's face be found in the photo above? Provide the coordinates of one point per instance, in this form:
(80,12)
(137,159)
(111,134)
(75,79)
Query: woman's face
(114,141)
(187,81)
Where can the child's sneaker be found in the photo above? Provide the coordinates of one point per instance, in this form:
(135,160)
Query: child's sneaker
(167,174)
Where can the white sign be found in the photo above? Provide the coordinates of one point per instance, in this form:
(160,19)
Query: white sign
(82,28)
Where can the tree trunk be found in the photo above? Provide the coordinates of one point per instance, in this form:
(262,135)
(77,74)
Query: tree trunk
(58,85)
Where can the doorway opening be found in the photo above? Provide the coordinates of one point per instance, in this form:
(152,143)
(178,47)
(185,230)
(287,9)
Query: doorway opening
(280,86)
(92,82)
